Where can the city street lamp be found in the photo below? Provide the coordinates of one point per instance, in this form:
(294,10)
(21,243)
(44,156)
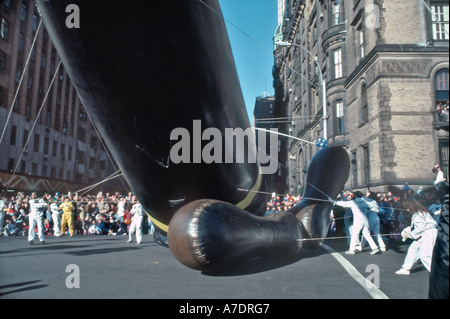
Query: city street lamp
(322,81)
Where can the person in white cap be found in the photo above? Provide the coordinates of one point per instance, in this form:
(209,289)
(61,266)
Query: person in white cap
(374,220)
(136,222)
(36,217)
(439,176)
(360,222)
(56,217)
(423,232)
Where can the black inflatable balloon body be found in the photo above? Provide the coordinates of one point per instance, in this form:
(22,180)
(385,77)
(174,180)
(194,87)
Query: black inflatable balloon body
(326,176)
(208,234)
(146,69)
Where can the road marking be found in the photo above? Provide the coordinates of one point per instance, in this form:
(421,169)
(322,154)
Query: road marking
(373,291)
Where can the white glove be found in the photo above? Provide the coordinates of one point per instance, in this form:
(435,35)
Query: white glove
(332,200)
(405,233)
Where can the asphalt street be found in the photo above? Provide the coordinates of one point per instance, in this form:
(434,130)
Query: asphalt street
(99,267)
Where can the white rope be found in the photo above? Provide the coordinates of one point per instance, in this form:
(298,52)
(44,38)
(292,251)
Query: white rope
(342,237)
(252,191)
(282,134)
(101,140)
(21,79)
(90,187)
(34,125)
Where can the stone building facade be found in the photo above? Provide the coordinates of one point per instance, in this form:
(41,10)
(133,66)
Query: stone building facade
(385,64)
(48,141)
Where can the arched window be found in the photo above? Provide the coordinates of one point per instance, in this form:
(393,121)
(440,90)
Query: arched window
(441,93)
(336,12)
(441,86)
(364,104)
(340,120)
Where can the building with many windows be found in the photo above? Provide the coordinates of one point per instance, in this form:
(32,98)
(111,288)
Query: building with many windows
(48,142)
(385,66)
(267,117)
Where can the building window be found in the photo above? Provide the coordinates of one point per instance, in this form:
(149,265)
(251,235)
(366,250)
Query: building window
(337,61)
(94,142)
(23,167)
(30,80)
(25,139)
(441,86)
(46,145)
(13,135)
(81,134)
(339,106)
(361,42)
(43,60)
(441,92)
(366,163)
(54,148)
(7,4)
(16,106)
(18,72)
(91,162)
(34,24)
(36,143)
(63,151)
(23,12)
(4,29)
(439,21)
(21,42)
(2,96)
(80,157)
(11,164)
(48,119)
(28,110)
(2,62)
(354,164)
(336,12)
(444,156)
(364,105)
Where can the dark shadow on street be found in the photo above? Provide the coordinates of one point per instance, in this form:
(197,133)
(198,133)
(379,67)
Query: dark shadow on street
(20,284)
(254,265)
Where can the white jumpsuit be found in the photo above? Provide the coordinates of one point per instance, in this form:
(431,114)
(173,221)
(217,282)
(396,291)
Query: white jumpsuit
(136,223)
(56,216)
(36,216)
(423,231)
(374,222)
(360,221)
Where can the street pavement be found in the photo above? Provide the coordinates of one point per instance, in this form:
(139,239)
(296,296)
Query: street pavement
(106,267)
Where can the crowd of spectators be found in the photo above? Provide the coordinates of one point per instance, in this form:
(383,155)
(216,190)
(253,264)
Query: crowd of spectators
(100,214)
(442,110)
(393,216)
(109,214)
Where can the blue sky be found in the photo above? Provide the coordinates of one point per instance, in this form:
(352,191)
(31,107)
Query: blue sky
(253,50)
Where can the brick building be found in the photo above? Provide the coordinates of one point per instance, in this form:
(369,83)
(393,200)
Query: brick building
(386,65)
(64,152)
